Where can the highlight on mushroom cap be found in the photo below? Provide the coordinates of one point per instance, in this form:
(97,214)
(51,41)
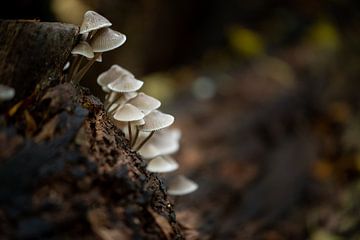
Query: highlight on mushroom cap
(93,21)
(107,39)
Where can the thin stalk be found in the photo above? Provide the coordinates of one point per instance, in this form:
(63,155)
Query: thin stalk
(114,101)
(78,76)
(130,132)
(144,141)
(72,66)
(136,137)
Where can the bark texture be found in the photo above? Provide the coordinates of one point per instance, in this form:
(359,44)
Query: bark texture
(65,170)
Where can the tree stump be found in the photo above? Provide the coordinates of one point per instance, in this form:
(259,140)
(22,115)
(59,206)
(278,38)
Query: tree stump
(66,172)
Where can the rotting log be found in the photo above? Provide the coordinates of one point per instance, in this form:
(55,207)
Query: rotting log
(66,171)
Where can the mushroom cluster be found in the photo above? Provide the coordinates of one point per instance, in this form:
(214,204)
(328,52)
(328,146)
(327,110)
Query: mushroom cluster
(146,127)
(96,37)
(134,112)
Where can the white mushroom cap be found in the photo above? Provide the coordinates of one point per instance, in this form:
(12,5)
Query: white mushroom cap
(145,103)
(149,151)
(156,120)
(112,74)
(125,84)
(128,113)
(6,93)
(93,21)
(162,164)
(181,185)
(165,141)
(84,49)
(107,39)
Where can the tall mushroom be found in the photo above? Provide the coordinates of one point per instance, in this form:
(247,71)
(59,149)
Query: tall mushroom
(82,49)
(105,39)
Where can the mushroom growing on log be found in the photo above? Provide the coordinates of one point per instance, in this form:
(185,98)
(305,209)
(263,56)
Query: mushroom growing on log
(66,171)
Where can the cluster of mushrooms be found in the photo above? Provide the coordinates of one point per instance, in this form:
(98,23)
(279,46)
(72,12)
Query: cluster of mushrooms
(134,112)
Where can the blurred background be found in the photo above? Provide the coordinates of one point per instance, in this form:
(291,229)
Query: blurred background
(266,94)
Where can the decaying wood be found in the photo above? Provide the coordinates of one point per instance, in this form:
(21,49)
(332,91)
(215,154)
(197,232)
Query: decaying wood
(65,170)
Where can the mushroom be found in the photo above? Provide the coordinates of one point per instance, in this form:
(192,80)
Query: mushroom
(164,142)
(181,185)
(114,72)
(6,93)
(93,21)
(145,103)
(125,84)
(82,49)
(154,121)
(128,113)
(105,39)
(162,164)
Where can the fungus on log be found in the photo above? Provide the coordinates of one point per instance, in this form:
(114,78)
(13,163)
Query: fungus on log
(65,170)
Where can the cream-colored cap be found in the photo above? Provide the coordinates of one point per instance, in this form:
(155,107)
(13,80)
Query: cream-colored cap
(84,49)
(128,113)
(107,39)
(145,103)
(93,21)
(181,185)
(162,164)
(156,120)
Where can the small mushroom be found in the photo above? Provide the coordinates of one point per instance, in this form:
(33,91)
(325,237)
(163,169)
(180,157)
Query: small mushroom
(93,21)
(165,141)
(103,40)
(149,151)
(125,84)
(162,164)
(128,113)
(114,72)
(145,103)
(107,39)
(154,121)
(6,93)
(181,185)
(82,49)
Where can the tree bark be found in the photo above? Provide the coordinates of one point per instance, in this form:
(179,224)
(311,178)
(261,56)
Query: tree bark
(65,170)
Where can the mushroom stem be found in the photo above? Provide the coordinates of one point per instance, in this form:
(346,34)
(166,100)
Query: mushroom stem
(136,137)
(144,141)
(130,132)
(79,75)
(112,102)
(73,65)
